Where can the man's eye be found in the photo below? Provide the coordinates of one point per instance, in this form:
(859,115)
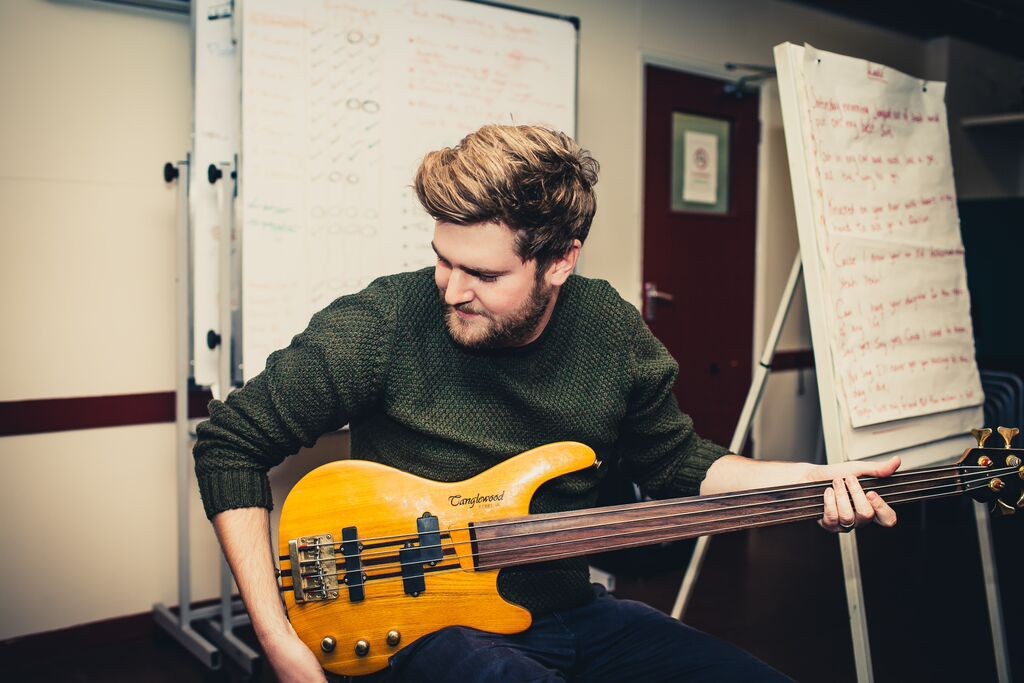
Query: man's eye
(487,278)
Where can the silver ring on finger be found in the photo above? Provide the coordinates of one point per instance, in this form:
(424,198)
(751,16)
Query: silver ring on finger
(846,528)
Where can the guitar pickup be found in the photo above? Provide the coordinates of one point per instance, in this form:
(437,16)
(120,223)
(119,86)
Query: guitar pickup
(430,539)
(412,570)
(415,558)
(314,568)
(354,577)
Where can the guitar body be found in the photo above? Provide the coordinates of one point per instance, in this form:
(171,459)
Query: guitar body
(407,575)
(373,559)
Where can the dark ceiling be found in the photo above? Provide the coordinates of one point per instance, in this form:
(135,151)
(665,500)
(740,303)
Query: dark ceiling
(996,24)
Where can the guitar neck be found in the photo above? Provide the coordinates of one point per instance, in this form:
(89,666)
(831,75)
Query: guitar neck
(553,536)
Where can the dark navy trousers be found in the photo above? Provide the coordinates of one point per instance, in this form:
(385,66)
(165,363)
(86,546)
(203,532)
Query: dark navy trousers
(605,640)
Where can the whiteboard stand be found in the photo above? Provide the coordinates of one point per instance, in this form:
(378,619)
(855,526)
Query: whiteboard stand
(205,632)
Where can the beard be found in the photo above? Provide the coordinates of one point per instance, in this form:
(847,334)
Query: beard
(489,331)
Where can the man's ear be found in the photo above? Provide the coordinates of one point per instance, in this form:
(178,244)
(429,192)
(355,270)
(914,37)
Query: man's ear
(562,267)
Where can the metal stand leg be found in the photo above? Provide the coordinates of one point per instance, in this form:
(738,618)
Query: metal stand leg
(700,551)
(215,623)
(995,608)
(224,618)
(855,602)
(739,437)
(183,632)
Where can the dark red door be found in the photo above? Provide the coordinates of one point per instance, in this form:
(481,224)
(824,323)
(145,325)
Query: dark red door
(703,260)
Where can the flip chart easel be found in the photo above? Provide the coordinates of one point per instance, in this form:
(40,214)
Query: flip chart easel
(894,205)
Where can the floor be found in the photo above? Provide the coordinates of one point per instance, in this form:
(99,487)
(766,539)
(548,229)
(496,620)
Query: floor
(777,592)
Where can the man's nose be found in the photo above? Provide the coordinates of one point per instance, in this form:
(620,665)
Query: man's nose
(458,290)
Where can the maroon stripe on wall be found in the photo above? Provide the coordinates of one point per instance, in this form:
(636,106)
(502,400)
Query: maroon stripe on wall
(91,412)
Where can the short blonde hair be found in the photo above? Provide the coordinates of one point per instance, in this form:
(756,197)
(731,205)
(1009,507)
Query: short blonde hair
(535,181)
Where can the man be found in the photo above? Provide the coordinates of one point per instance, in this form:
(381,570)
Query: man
(446,372)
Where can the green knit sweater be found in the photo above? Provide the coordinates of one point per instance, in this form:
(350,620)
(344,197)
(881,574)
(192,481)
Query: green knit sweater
(383,362)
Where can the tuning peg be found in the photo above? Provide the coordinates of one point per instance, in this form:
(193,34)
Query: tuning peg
(981,435)
(1008,433)
(1003,508)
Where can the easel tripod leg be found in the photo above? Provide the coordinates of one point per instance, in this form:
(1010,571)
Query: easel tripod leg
(995,608)
(855,603)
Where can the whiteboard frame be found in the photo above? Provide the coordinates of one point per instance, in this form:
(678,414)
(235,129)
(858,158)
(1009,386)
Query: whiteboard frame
(203,361)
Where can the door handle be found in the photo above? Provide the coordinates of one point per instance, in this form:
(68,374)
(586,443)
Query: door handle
(652,295)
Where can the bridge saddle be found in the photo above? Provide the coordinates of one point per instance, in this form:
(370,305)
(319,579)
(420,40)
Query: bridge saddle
(314,568)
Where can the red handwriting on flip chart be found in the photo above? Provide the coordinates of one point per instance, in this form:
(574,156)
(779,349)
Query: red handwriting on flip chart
(894,333)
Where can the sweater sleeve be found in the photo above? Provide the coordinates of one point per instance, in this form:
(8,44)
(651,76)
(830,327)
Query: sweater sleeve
(328,374)
(657,441)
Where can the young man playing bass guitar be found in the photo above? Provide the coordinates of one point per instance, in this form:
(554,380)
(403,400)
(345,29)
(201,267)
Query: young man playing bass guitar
(446,372)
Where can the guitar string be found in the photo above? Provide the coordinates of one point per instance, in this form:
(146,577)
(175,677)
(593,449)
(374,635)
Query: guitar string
(606,511)
(570,554)
(628,543)
(706,499)
(660,518)
(770,516)
(666,528)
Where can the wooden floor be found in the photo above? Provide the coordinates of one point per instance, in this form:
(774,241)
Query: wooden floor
(776,592)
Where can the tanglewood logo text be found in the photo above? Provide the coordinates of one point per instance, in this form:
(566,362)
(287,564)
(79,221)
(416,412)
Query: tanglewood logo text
(472,501)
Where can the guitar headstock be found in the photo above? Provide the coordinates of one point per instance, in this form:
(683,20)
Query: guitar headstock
(995,474)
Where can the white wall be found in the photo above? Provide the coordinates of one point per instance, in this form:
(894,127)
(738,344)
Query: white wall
(95,99)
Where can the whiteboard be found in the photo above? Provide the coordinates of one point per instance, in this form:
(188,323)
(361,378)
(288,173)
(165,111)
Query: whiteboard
(340,101)
(215,117)
(883,260)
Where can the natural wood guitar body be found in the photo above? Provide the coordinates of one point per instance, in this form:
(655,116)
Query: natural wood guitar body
(384,503)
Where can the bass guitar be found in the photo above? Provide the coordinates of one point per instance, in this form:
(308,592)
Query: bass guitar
(373,558)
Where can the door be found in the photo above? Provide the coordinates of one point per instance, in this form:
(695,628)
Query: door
(700,181)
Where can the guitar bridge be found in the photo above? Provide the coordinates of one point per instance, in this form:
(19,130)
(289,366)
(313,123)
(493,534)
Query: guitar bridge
(314,568)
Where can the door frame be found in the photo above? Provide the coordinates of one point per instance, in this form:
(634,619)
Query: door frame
(708,70)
